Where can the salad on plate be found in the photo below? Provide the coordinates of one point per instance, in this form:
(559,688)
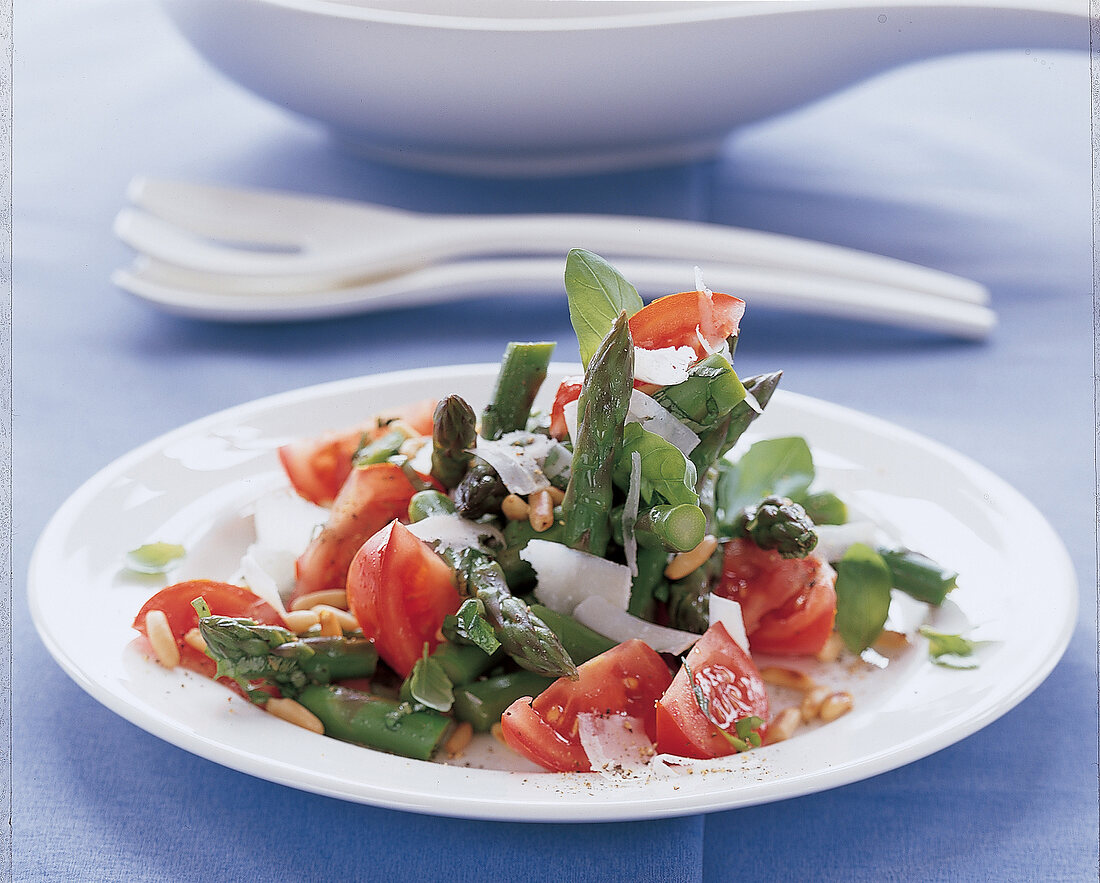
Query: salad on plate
(612,585)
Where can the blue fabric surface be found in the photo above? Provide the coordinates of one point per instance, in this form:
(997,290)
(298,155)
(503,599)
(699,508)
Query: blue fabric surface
(979,165)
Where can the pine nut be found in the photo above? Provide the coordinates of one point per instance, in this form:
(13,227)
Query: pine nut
(811,703)
(515,508)
(498,733)
(401,426)
(331,597)
(161,639)
(787,677)
(194,640)
(835,705)
(330,625)
(684,563)
(459,739)
(556,494)
(783,725)
(541,515)
(830,652)
(889,640)
(301,621)
(346,620)
(295,713)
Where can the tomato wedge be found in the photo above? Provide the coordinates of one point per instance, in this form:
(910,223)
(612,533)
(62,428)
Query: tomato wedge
(680,319)
(371,498)
(400,591)
(625,680)
(224,599)
(568,391)
(318,467)
(732,688)
(788,604)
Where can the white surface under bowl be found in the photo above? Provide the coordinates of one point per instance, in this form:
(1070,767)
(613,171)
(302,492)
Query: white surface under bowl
(514,87)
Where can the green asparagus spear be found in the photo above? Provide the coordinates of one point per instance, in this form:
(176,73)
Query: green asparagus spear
(581,642)
(522,372)
(480,492)
(381,449)
(675,528)
(250,652)
(759,388)
(777,523)
(483,702)
(605,395)
(453,434)
(354,716)
(524,636)
(426,503)
(651,574)
(709,393)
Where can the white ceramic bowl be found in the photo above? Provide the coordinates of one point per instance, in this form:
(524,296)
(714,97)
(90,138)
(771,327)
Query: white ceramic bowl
(556,86)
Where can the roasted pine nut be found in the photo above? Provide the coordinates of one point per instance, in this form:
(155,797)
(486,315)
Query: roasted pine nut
(194,640)
(161,639)
(330,625)
(835,705)
(889,640)
(556,494)
(783,725)
(515,508)
(830,652)
(541,515)
(347,620)
(684,563)
(787,677)
(459,739)
(811,702)
(331,597)
(301,621)
(295,713)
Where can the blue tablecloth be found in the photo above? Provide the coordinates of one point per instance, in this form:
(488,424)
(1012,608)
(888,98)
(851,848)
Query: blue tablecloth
(979,165)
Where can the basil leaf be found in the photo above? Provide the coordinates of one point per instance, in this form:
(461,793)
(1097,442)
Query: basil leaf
(783,467)
(429,684)
(154,557)
(862,596)
(597,293)
(951,651)
(665,469)
(468,625)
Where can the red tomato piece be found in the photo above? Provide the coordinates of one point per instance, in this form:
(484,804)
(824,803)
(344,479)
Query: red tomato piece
(679,320)
(732,687)
(788,604)
(625,680)
(371,498)
(224,599)
(400,590)
(569,391)
(318,467)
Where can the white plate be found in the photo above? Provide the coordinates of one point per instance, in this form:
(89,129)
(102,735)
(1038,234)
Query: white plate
(195,485)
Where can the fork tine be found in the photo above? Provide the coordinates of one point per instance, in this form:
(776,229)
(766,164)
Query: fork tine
(259,216)
(160,239)
(218,212)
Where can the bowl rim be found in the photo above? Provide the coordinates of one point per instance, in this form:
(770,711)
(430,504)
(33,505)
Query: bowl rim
(670,12)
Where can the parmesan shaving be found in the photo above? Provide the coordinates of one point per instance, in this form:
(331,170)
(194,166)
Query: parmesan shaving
(456,532)
(616,744)
(654,417)
(728,613)
(617,624)
(568,576)
(833,540)
(664,367)
(517,458)
(630,512)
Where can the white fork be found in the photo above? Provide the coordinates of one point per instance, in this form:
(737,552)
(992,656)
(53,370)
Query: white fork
(289,240)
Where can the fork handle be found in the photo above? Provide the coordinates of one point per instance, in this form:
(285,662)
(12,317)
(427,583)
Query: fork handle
(698,242)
